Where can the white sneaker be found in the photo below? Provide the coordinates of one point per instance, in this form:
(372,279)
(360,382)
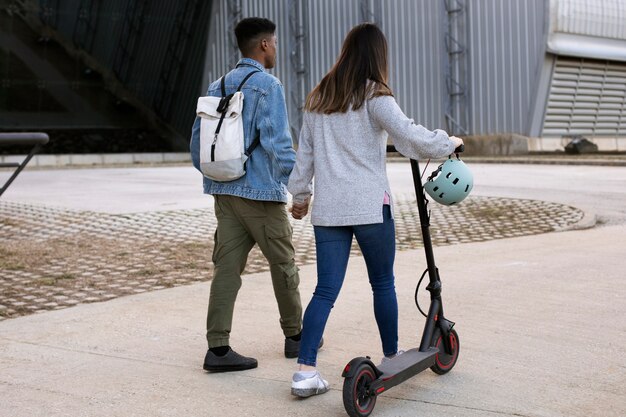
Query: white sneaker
(388,358)
(306,384)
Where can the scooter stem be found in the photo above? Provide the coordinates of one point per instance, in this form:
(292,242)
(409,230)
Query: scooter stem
(435,312)
(425,226)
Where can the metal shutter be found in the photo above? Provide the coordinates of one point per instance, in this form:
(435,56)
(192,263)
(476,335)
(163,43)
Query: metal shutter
(587,97)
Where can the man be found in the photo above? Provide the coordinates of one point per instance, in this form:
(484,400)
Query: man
(251,209)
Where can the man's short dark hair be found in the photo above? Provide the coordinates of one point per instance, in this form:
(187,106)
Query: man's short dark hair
(249,30)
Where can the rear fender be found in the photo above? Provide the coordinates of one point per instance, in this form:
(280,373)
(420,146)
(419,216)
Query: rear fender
(350,369)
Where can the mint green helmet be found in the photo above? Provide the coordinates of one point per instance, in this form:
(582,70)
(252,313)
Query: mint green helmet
(450,183)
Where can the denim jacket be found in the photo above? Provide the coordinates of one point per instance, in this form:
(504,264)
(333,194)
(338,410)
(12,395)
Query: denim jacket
(264,114)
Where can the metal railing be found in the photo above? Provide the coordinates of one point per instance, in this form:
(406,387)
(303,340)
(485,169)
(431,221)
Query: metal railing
(36,140)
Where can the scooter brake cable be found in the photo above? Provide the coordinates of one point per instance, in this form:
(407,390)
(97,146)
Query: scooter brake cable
(417,303)
(424,171)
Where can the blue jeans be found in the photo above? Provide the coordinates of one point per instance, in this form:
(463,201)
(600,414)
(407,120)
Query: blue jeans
(378,245)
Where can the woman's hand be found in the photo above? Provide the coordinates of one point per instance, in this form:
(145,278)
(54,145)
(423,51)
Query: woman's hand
(456,141)
(299,210)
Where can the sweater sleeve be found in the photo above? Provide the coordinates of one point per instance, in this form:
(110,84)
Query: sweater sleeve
(411,140)
(300,180)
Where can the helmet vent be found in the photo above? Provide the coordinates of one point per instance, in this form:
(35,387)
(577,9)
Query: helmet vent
(455,181)
(448,175)
(435,189)
(466,187)
(441,195)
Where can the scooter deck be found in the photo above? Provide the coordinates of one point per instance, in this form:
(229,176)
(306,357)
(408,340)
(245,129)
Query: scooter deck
(404,366)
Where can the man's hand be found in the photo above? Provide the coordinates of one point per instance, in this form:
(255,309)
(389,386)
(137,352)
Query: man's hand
(299,210)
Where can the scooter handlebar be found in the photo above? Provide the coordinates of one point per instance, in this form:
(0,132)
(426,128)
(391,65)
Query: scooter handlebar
(460,149)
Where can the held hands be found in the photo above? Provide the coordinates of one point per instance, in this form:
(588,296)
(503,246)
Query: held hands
(300,209)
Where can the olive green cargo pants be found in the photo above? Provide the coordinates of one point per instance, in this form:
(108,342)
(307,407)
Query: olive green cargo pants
(240,224)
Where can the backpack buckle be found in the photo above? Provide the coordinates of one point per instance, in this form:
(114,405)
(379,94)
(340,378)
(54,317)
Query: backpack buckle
(224,102)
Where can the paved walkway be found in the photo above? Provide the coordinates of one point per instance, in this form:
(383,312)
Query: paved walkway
(541,317)
(58,258)
(541,325)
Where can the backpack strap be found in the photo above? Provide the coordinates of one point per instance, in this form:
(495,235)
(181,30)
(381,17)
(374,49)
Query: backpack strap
(223,106)
(223,85)
(253,145)
(250,74)
(256,140)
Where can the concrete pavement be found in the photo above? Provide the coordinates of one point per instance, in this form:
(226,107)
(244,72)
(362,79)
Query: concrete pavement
(541,325)
(541,318)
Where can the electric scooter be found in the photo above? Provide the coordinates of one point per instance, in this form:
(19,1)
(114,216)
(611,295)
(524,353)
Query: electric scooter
(439,346)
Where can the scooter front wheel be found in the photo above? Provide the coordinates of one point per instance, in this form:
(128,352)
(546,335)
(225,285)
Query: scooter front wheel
(357,400)
(444,362)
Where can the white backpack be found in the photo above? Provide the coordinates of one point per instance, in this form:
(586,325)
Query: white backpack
(222,145)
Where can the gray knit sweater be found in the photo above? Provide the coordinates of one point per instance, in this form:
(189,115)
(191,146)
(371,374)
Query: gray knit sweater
(345,152)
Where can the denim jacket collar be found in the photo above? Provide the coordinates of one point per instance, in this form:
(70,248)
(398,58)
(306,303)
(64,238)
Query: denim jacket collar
(250,61)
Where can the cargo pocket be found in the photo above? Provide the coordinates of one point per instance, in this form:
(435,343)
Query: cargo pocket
(292,278)
(279,246)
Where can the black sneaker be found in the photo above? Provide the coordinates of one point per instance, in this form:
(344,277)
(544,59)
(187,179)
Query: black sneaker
(292,347)
(232,361)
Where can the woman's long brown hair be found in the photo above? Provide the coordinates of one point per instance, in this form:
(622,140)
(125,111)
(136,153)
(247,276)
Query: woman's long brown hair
(363,58)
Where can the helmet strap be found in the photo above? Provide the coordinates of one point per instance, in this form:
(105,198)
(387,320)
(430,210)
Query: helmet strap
(435,172)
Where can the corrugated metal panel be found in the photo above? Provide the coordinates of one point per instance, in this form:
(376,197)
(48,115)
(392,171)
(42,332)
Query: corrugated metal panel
(414,31)
(221,47)
(506,48)
(599,18)
(327,21)
(587,97)
(417,86)
(217,59)
(506,45)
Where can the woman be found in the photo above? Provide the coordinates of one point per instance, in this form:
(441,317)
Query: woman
(343,145)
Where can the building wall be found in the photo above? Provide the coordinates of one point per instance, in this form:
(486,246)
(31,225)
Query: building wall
(533,67)
(586,92)
(505,46)
(586,97)
(155,48)
(599,18)
(324,25)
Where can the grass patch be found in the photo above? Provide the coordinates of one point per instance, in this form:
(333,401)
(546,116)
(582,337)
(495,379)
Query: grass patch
(46,281)
(8,222)
(145,273)
(82,262)
(66,275)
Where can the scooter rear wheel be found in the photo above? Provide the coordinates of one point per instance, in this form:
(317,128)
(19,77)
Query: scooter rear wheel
(444,362)
(356,399)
